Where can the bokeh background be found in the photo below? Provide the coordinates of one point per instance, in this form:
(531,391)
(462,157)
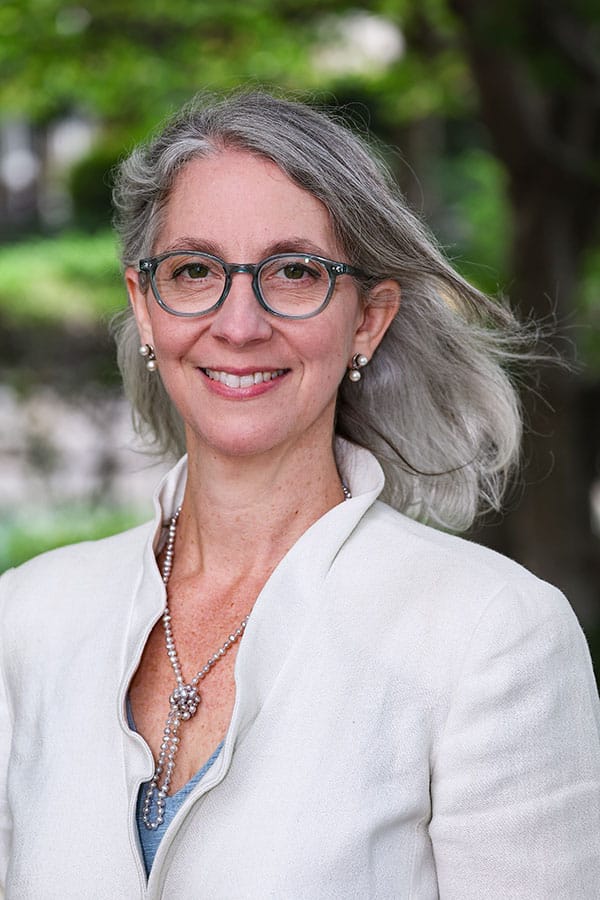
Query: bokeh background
(491,112)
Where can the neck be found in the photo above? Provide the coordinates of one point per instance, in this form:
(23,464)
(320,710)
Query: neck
(245,514)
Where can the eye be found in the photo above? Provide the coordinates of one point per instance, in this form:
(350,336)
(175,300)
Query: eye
(298,270)
(295,271)
(192,270)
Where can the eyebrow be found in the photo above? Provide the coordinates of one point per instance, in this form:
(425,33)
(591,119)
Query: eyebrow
(285,245)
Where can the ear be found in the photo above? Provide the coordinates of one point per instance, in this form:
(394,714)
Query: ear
(139,304)
(381,306)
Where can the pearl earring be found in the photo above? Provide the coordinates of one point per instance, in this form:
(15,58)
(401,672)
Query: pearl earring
(147,351)
(358,361)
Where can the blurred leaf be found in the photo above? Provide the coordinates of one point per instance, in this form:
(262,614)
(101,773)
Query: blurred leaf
(475,186)
(589,311)
(73,278)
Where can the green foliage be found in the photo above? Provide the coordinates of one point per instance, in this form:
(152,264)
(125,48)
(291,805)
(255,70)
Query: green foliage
(589,311)
(474,184)
(23,538)
(131,62)
(90,187)
(73,278)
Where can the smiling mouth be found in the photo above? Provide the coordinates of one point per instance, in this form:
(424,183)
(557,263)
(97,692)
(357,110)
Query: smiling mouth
(243,381)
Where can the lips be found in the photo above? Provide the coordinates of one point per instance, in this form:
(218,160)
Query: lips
(243,381)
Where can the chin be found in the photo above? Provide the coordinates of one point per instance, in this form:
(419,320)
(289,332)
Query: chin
(238,444)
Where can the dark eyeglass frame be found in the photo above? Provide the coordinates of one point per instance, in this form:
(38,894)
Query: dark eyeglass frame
(148,267)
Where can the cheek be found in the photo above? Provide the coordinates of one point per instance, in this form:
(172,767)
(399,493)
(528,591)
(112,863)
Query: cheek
(338,336)
(327,353)
(173,336)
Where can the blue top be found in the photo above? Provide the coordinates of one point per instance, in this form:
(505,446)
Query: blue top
(151,838)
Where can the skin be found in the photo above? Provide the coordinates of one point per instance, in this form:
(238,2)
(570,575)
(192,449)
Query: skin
(261,464)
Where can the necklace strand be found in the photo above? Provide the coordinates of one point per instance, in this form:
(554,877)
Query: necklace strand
(185,699)
(183,702)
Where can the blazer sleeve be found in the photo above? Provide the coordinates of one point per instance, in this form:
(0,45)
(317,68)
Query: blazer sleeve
(5,742)
(516,775)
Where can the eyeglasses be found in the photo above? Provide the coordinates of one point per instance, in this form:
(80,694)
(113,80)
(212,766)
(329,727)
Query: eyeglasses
(288,285)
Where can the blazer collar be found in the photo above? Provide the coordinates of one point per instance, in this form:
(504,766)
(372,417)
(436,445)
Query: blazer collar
(289,601)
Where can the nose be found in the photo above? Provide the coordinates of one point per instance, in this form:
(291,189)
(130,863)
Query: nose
(241,319)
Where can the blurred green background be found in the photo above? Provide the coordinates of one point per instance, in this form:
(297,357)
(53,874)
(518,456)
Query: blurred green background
(491,114)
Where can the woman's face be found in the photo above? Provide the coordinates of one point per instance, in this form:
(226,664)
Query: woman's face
(243,208)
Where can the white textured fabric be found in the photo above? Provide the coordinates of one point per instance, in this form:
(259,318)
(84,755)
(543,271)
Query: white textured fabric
(415,717)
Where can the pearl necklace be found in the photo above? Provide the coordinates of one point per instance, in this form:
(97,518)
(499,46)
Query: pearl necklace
(183,702)
(185,699)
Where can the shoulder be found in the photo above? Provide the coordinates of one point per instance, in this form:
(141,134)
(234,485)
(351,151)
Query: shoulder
(433,557)
(440,609)
(84,554)
(404,563)
(437,582)
(76,570)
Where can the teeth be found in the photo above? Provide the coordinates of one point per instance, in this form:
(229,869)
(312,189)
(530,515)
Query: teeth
(237,381)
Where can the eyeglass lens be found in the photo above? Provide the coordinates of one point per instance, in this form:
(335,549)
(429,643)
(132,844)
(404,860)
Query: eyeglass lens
(293,285)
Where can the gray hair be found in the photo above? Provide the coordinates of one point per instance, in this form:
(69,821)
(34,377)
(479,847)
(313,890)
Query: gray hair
(436,404)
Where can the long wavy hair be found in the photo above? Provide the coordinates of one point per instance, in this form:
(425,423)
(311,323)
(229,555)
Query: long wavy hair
(437,405)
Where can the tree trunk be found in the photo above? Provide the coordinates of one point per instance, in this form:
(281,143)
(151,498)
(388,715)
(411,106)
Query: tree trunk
(546,131)
(549,530)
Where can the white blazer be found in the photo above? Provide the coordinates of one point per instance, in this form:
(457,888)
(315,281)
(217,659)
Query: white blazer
(415,717)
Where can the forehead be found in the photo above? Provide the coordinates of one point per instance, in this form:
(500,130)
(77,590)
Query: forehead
(236,198)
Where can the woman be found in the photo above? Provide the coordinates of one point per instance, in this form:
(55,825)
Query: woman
(282,687)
